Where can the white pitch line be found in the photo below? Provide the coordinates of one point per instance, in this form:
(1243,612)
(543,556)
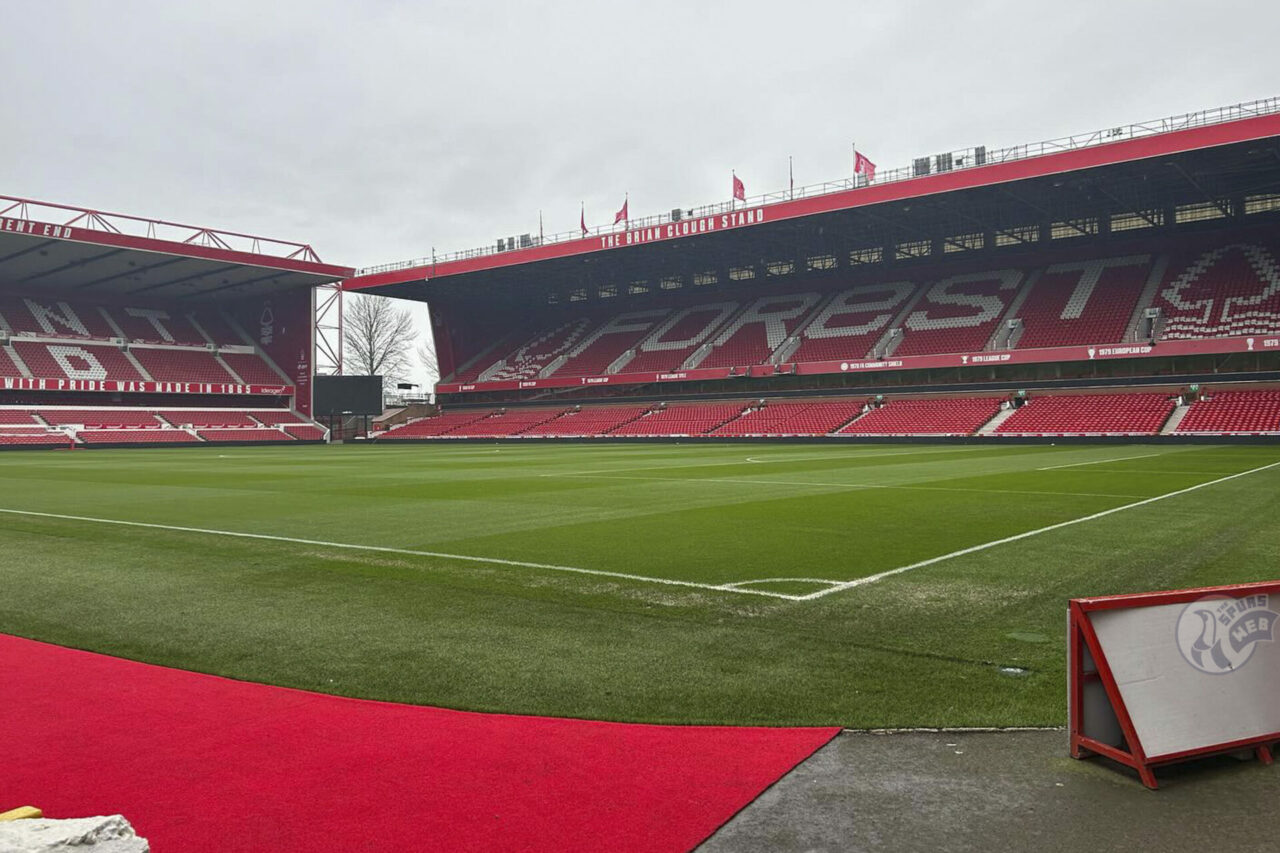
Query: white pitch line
(984,546)
(1100,461)
(835,457)
(850,486)
(406,552)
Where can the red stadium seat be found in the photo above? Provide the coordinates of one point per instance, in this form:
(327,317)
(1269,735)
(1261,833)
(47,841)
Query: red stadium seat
(1233,412)
(1090,414)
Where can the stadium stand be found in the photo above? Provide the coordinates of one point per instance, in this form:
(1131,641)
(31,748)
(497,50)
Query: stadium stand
(134,436)
(182,365)
(851,321)
(435,426)
(235,435)
(1233,413)
(959,313)
(1231,289)
(1090,414)
(100,418)
(1088,302)
(944,416)
(607,343)
(759,330)
(590,421)
(804,418)
(503,423)
(675,340)
(682,419)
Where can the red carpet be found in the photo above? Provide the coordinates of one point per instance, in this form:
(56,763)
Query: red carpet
(200,763)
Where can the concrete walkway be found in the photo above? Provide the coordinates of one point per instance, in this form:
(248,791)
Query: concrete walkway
(997,791)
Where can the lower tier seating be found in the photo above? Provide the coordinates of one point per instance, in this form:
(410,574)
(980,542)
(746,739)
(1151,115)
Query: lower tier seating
(590,421)
(943,416)
(511,422)
(683,419)
(134,436)
(807,418)
(243,435)
(1090,414)
(1233,412)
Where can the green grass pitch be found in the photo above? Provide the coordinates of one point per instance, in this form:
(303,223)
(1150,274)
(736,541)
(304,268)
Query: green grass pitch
(664,583)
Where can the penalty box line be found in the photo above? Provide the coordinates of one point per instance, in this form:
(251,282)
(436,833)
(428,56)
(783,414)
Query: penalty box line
(984,546)
(380,549)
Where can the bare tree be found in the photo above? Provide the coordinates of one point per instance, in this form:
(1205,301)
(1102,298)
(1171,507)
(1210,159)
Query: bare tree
(378,338)
(427,357)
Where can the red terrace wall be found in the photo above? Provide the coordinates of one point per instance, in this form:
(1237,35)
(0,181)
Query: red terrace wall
(283,325)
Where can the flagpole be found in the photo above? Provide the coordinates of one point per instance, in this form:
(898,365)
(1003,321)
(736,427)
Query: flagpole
(791,172)
(732,186)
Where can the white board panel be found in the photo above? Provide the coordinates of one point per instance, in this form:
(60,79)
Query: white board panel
(1195,675)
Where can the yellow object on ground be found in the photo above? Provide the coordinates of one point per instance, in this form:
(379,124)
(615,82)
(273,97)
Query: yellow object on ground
(21,812)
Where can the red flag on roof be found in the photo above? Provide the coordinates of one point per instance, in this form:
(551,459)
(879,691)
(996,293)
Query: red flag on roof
(739,189)
(863,166)
(582,220)
(621,215)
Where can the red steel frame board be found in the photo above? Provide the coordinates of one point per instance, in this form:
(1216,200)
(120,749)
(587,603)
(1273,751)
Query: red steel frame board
(1081,637)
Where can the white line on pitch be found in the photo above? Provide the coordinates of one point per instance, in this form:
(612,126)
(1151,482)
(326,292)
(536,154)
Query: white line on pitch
(984,546)
(848,486)
(497,561)
(1100,461)
(835,457)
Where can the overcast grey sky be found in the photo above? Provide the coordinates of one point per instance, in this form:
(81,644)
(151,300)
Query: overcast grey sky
(379,130)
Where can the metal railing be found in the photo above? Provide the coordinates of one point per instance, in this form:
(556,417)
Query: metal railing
(155,229)
(951,161)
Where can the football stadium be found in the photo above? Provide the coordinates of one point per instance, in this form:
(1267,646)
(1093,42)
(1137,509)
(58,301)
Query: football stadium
(781,497)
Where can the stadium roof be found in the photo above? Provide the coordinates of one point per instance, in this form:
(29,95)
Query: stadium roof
(1209,157)
(63,248)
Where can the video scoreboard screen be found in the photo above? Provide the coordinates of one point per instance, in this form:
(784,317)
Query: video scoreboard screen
(354,395)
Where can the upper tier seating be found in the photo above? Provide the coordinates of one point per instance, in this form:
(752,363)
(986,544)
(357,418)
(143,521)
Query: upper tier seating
(943,416)
(759,329)
(1224,412)
(252,369)
(1083,303)
(959,313)
(592,420)
(539,351)
(72,318)
(1233,289)
(606,343)
(850,323)
(682,419)
(54,318)
(509,423)
(76,361)
(183,365)
(674,340)
(801,418)
(1078,414)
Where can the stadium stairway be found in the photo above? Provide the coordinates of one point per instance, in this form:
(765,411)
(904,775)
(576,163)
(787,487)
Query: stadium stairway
(1175,419)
